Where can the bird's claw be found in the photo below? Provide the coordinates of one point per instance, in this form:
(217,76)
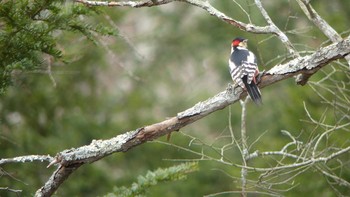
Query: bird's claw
(232,88)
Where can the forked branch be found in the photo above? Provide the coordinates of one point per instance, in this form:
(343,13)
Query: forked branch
(70,160)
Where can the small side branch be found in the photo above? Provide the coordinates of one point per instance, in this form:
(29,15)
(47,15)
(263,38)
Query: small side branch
(306,162)
(319,22)
(282,36)
(17,191)
(56,179)
(337,179)
(244,146)
(27,158)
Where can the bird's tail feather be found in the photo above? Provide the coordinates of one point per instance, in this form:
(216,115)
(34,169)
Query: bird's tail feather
(253,91)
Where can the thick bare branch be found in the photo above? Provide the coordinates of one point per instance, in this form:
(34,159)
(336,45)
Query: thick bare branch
(134,4)
(271,28)
(205,5)
(310,64)
(70,160)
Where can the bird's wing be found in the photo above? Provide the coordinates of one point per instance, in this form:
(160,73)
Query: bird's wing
(236,73)
(242,63)
(251,66)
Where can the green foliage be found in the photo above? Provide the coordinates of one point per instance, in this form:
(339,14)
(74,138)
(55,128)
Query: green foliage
(29,29)
(153,178)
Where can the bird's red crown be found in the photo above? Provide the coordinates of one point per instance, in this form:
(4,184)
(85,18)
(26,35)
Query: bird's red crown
(236,41)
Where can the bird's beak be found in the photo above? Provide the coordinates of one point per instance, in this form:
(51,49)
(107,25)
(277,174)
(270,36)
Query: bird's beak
(244,43)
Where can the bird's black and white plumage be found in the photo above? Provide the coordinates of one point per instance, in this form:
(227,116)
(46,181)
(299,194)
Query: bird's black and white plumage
(244,68)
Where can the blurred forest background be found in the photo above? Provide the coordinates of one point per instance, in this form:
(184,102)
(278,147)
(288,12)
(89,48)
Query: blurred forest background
(151,64)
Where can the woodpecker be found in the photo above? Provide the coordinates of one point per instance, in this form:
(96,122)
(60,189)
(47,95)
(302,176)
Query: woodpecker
(244,68)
